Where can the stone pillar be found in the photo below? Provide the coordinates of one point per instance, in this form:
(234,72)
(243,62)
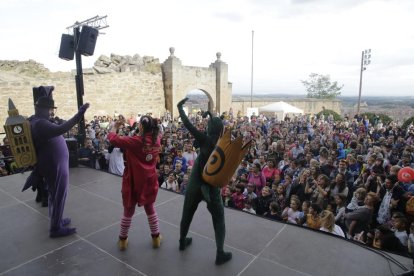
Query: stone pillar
(223,88)
(171,71)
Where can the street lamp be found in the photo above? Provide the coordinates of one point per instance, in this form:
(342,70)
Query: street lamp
(365,61)
(251,80)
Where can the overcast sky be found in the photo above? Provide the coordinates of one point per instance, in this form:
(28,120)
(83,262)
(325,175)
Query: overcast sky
(292,38)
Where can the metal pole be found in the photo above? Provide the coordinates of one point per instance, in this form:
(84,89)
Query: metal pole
(360,82)
(251,80)
(79,86)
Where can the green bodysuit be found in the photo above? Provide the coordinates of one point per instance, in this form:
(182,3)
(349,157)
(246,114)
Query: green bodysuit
(197,189)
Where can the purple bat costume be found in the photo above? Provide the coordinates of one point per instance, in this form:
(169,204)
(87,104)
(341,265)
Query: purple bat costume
(53,163)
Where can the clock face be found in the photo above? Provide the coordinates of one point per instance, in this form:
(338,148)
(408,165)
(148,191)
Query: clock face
(17,129)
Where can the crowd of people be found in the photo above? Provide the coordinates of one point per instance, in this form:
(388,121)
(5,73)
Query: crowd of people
(7,164)
(334,176)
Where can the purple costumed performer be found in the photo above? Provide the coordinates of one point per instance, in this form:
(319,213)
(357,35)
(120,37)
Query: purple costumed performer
(53,160)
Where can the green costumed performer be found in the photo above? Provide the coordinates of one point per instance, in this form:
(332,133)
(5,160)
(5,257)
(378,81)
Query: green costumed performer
(198,189)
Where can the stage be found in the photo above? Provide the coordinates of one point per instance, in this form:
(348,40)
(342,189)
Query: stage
(259,246)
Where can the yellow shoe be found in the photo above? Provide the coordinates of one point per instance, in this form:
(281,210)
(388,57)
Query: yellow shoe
(123,244)
(156,242)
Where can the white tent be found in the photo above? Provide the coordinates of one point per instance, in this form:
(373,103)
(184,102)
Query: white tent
(280,109)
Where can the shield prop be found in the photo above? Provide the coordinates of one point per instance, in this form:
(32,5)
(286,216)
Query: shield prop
(224,160)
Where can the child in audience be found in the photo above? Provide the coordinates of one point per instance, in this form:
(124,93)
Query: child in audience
(305,211)
(357,200)
(328,224)
(400,231)
(227,198)
(411,241)
(274,211)
(312,218)
(238,197)
(249,191)
(279,196)
(340,200)
(291,214)
(248,206)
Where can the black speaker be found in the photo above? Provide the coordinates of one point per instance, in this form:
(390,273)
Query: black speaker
(67,47)
(73,152)
(42,91)
(87,40)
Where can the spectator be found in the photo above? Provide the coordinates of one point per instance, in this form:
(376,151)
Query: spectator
(171,183)
(296,151)
(190,155)
(299,186)
(249,192)
(178,173)
(270,171)
(227,198)
(274,211)
(338,187)
(319,190)
(360,219)
(262,202)
(180,158)
(279,196)
(243,168)
(389,192)
(340,201)
(312,218)
(87,155)
(386,240)
(411,241)
(2,164)
(183,185)
(357,200)
(116,161)
(291,214)
(328,224)
(400,230)
(257,178)
(304,212)
(238,197)
(3,172)
(248,206)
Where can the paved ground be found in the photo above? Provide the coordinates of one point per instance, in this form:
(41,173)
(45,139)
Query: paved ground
(259,246)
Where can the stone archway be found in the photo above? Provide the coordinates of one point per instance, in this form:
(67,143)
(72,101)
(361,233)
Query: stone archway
(199,100)
(213,81)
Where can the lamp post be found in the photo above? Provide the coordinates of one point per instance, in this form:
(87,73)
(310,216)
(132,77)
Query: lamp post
(365,61)
(251,80)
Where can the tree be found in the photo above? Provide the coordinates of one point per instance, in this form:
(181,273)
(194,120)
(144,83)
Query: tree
(385,119)
(408,122)
(327,112)
(321,87)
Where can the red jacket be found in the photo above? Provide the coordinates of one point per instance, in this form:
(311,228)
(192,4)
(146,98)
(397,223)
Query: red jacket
(139,182)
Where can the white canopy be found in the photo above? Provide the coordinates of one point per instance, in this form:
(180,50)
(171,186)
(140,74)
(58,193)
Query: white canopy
(280,108)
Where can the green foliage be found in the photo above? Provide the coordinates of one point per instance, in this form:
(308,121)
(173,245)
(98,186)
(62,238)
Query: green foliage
(326,113)
(385,119)
(408,122)
(321,87)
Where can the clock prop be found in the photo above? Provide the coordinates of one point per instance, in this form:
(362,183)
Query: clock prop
(18,133)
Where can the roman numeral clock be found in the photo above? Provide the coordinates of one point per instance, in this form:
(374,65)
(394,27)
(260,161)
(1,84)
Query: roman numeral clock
(20,138)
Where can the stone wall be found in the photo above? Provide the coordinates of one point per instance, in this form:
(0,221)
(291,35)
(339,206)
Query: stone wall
(309,106)
(126,92)
(129,86)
